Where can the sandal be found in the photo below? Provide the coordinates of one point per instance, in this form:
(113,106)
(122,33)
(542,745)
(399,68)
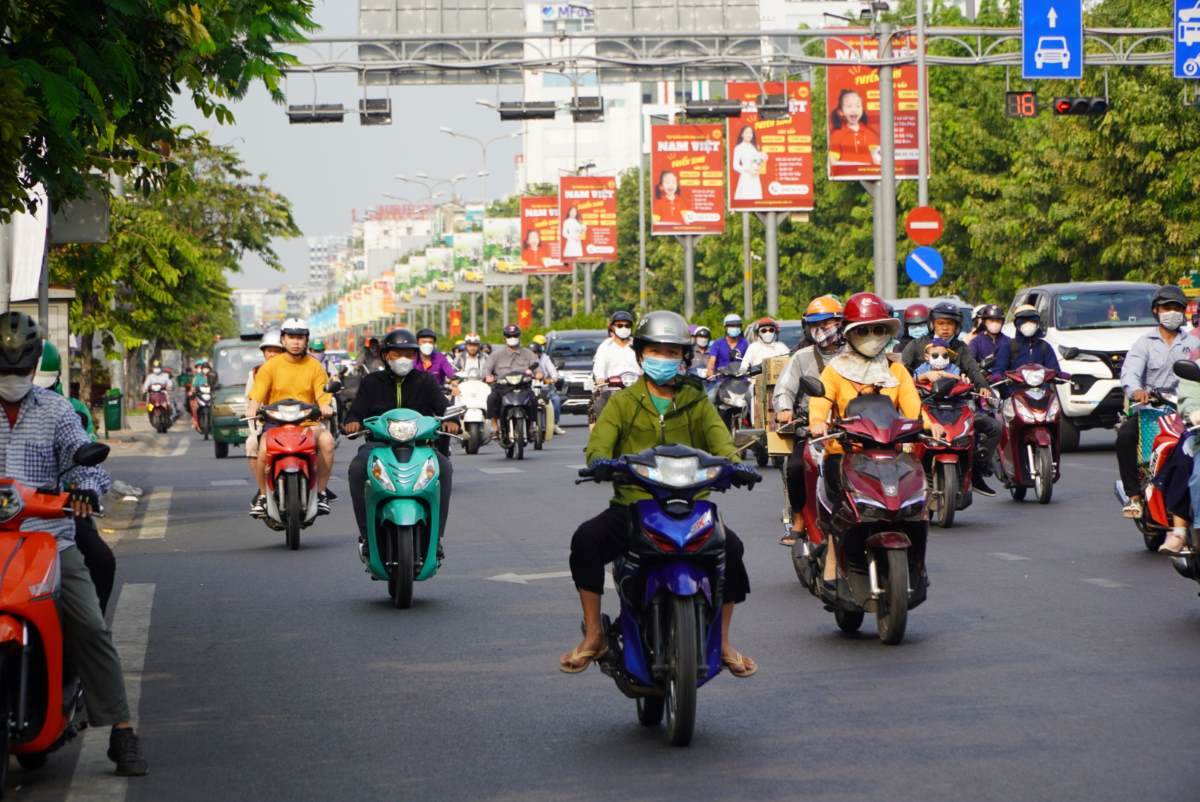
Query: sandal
(740,666)
(790,538)
(587,656)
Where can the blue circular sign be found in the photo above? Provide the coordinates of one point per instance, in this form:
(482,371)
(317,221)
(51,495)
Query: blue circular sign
(924,266)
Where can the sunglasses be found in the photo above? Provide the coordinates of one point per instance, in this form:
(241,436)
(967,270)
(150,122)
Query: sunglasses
(877,330)
(767,331)
(937,354)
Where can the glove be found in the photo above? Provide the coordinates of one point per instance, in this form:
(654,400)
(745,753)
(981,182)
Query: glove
(602,470)
(89,496)
(745,475)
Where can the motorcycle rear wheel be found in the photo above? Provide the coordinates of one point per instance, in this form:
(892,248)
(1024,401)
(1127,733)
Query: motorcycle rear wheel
(946,490)
(293,514)
(205,423)
(539,434)
(892,613)
(682,666)
(1044,483)
(400,582)
(474,437)
(650,710)
(220,450)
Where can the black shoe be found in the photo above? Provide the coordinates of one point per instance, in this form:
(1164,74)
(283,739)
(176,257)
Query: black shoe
(323,507)
(981,487)
(258,507)
(329,494)
(362,548)
(124,750)
(441,552)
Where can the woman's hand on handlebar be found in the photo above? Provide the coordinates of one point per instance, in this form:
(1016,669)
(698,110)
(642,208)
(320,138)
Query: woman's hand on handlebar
(326,410)
(451,426)
(937,431)
(352,427)
(818,428)
(783,416)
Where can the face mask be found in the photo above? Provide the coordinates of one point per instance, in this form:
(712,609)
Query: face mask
(702,342)
(512,342)
(993,326)
(822,336)
(1028,329)
(659,370)
(401,366)
(427,349)
(622,332)
(869,345)
(156,371)
(14,388)
(734,332)
(768,337)
(917,332)
(1171,321)
(939,362)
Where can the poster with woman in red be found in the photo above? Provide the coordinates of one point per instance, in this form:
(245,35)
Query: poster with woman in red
(539,236)
(687,163)
(587,213)
(771,160)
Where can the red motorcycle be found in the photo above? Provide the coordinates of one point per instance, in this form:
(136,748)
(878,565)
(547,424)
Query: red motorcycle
(159,408)
(1029,438)
(41,705)
(291,455)
(1158,415)
(948,463)
(873,505)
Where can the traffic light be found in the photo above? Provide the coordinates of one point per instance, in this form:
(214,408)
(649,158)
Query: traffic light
(1086,106)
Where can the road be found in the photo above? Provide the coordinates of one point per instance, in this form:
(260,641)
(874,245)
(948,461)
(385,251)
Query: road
(1051,661)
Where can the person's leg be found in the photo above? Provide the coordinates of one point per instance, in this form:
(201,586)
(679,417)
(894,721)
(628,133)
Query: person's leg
(597,542)
(357,476)
(795,481)
(1175,543)
(101,564)
(737,587)
(493,409)
(1127,465)
(556,401)
(194,408)
(987,437)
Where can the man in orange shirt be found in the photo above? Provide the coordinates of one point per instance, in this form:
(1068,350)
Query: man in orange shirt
(295,375)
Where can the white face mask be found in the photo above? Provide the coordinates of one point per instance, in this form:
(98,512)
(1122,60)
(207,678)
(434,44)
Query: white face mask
(768,337)
(512,342)
(994,326)
(1171,321)
(1028,329)
(869,345)
(427,349)
(401,366)
(622,332)
(939,362)
(702,342)
(14,388)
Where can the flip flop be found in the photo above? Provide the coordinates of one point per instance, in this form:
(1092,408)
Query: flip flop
(738,667)
(587,655)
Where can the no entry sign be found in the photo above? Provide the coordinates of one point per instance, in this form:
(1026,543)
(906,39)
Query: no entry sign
(924,225)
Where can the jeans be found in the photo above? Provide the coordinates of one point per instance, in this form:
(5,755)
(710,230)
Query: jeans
(88,644)
(358,486)
(556,401)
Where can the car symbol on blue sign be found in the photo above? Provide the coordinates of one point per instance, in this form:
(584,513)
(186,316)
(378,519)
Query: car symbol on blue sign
(1187,38)
(1051,39)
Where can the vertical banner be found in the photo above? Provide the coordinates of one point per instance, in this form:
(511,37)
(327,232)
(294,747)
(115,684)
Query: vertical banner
(524,312)
(852,101)
(687,166)
(771,161)
(455,322)
(539,236)
(587,213)
(502,245)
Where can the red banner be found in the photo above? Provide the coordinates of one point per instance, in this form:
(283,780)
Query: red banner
(687,164)
(524,312)
(539,236)
(587,213)
(455,322)
(771,161)
(852,97)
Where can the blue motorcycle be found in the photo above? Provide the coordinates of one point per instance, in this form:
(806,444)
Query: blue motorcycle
(666,642)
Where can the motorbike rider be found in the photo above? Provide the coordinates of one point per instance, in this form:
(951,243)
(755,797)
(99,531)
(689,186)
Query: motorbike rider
(317,349)
(431,360)
(1148,368)
(766,344)
(615,355)
(822,323)
(662,407)
(204,376)
(550,371)
(916,324)
(401,386)
(701,337)
(989,338)
(511,358)
(1028,347)
(947,324)
(295,375)
(157,376)
(271,346)
(370,359)
(39,435)
(730,348)
(471,360)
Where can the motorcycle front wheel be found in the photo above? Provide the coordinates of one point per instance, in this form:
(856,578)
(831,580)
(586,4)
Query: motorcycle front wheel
(945,490)
(847,621)
(519,438)
(400,579)
(682,666)
(293,510)
(892,612)
(539,434)
(1043,484)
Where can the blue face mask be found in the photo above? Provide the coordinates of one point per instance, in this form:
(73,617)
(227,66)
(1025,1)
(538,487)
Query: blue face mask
(733,332)
(659,370)
(917,332)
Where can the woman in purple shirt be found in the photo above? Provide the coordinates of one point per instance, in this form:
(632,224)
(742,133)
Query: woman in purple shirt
(433,361)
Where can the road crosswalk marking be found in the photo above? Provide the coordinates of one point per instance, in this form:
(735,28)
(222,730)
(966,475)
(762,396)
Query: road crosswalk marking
(1100,582)
(158,511)
(496,471)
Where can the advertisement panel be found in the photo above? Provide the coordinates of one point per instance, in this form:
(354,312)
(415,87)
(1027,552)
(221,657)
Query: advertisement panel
(852,98)
(539,236)
(687,166)
(438,261)
(468,252)
(770,161)
(502,244)
(587,211)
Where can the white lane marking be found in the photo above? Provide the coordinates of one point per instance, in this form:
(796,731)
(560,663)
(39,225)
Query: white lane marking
(577,467)
(524,579)
(181,447)
(496,471)
(1004,555)
(1100,582)
(93,780)
(1079,466)
(158,511)
(229,482)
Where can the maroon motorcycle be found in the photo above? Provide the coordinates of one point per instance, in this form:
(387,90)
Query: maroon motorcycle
(1028,456)
(948,463)
(159,408)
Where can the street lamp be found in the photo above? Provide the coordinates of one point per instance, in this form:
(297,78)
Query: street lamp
(424,181)
(483,144)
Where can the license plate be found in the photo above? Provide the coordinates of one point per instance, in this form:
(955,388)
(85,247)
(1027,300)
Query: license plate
(589,385)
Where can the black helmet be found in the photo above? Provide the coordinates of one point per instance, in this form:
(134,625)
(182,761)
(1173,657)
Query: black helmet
(663,328)
(990,311)
(512,331)
(426,333)
(946,311)
(399,340)
(20,342)
(621,316)
(1169,294)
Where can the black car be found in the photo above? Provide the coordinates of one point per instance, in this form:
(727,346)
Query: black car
(573,353)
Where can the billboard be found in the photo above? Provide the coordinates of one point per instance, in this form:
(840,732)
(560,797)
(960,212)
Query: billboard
(502,244)
(587,211)
(539,236)
(852,99)
(771,161)
(439,261)
(687,166)
(468,252)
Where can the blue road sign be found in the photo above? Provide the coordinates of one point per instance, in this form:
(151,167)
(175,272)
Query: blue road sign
(1187,38)
(1051,39)
(924,265)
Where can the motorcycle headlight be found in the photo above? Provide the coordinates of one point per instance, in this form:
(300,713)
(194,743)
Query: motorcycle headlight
(10,504)
(428,472)
(1034,378)
(514,379)
(288,413)
(379,474)
(1036,393)
(1028,415)
(402,431)
(676,471)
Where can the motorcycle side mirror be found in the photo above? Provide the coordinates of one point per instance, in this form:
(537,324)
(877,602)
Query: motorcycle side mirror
(1069,353)
(90,455)
(1187,369)
(755,371)
(812,386)
(454,412)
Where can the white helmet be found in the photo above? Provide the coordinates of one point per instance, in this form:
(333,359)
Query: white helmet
(271,339)
(295,325)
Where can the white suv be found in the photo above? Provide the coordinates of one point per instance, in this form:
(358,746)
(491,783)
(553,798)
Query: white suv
(1101,319)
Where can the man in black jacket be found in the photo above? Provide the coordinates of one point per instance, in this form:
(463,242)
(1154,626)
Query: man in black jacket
(398,386)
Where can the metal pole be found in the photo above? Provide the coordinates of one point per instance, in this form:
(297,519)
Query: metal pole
(772,263)
(689,274)
(472,297)
(546,302)
(5,257)
(485,307)
(887,171)
(872,188)
(44,280)
(574,289)
(442,317)
(641,211)
(587,286)
(504,314)
(922,118)
(747,270)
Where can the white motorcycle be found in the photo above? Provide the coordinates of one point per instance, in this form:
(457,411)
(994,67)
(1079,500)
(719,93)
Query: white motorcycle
(473,393)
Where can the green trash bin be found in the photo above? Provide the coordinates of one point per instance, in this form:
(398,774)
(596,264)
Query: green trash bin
(112,410)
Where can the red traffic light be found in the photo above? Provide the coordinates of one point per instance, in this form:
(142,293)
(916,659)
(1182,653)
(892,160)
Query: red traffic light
(1086,106)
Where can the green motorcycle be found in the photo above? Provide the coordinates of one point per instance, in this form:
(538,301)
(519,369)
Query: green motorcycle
(403,500)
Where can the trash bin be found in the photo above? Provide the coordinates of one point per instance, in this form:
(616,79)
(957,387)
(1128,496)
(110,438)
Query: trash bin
(112,410)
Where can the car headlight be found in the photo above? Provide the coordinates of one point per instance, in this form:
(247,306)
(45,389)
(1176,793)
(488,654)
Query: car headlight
(10,504)
(402,431)
(379,474)
(429,471)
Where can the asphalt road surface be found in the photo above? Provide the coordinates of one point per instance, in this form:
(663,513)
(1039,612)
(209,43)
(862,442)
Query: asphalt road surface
(1053,660)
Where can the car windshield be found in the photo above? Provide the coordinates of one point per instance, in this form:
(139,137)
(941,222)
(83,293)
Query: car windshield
(233,363)
(1104,309)
(565,348)
(791,335)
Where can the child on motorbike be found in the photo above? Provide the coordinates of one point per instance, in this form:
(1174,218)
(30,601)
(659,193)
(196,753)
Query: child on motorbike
(938,362)
(664,407)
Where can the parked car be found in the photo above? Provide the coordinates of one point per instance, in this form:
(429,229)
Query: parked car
(573,352)
(232,359)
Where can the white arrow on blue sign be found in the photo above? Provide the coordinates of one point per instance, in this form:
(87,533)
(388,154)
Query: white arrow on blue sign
(1051,39)
(924,265)
(1187,38)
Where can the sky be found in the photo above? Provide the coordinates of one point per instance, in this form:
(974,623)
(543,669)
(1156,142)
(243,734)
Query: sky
(329,170)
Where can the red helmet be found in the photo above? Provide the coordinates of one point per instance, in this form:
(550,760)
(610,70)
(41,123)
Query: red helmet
(916,313)
(865,308)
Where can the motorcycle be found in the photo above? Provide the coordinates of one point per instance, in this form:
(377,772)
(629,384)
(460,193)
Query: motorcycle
(473,395)
(1028,455)
(872,513)
(516,428)
(1173,429)
(948,463)
(605,391)
(291,455)
(731,393)
(1160,429)
(41,702)
(403,500)
(159,408)
(666,642)
(204,410)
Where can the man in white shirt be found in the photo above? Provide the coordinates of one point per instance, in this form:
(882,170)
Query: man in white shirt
(615,355)
(765,345)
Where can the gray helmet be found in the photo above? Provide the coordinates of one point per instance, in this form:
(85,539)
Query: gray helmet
(663,328)
(20,342)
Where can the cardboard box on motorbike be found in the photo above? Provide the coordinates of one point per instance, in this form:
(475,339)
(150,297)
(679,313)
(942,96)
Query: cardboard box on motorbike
(777,445)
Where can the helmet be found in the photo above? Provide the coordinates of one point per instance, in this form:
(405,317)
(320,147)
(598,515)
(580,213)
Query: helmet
(989,312)
(621,316)
(200,361)
(1169,294)
(539,339)
(946,311)
(1026,312)
(20,341)
(732,319)
(866,308)
(271,339)
(399,340)
(512,331)
(317,345)
(472,338)
(915,314)
(49,368)
(295,325)
(663,328)
(701,331)
(427,333)
(765,321)
(822,308)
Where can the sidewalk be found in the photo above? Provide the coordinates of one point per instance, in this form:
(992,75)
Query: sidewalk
(137,430)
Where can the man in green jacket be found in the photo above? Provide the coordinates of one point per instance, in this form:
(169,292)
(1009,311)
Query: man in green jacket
(664,407)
